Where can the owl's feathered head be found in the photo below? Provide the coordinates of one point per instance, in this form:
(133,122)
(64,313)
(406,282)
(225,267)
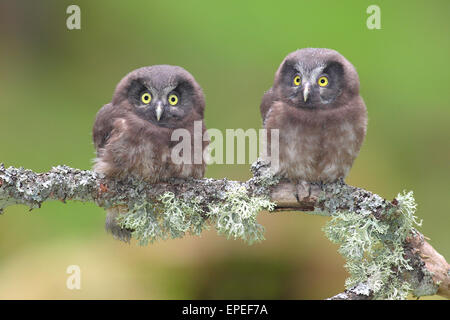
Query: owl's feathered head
(316,78)
(161,94)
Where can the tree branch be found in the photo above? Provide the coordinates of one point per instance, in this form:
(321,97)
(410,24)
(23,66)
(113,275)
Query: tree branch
(430,273)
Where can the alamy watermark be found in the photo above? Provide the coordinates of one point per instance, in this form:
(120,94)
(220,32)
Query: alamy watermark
(74,280)
(189,149)
(374,19)
(73,21)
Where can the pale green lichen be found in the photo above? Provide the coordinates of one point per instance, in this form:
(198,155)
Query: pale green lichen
(426,286)
(171,217)
(263,177)
(373,248)
(236,216)
(167,217)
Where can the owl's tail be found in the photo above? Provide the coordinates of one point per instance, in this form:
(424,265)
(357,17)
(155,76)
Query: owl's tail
(113,227)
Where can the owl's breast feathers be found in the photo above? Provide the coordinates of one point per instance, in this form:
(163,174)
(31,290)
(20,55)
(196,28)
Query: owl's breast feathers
(317,145)
(127,145)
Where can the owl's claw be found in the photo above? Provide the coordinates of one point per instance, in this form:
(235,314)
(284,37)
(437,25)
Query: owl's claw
(315,190)
(307,191)
(303,191)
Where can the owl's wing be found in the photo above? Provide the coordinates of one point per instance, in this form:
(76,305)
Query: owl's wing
(104,124)
(266,103)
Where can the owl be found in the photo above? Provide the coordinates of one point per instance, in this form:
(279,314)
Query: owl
(133,133)
(315,104)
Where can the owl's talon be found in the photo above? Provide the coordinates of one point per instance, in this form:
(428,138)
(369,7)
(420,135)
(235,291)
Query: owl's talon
(303,191)
(308,191)
(315,190)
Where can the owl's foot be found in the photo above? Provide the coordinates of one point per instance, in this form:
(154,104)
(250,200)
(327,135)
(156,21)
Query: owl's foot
(315,190)
(112,226)
(307,191)
(303,190)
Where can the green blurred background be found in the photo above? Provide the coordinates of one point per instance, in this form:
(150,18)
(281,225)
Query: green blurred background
(53,81)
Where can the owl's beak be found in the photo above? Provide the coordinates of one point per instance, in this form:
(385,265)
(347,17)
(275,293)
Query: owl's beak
(306,92)
(159,111)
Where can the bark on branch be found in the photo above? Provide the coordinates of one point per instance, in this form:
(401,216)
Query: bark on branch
(21,186)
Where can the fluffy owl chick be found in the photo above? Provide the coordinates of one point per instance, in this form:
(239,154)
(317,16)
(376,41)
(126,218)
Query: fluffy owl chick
(132,134)
(321,118)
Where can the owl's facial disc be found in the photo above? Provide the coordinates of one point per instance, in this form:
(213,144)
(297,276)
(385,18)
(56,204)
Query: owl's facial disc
(162,111)
(310,87)
(164,106)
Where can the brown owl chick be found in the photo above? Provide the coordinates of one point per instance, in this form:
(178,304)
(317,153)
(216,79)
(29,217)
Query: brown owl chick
(132,134)
(321,118)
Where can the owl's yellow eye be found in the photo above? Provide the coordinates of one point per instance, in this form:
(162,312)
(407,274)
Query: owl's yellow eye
(146,98)
(297,80)
(173,99)
(323,81)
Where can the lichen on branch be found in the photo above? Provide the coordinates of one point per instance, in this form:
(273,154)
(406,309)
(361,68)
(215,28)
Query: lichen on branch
(235,217)
(373,248)
(172,217)
(386,257)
